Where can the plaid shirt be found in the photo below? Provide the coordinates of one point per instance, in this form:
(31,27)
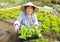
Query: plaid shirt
(24,20)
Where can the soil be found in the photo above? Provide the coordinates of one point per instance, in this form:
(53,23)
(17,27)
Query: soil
(10,37)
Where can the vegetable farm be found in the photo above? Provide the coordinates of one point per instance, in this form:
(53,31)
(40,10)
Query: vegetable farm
(49,21)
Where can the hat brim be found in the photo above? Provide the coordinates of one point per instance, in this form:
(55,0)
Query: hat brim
(35,10)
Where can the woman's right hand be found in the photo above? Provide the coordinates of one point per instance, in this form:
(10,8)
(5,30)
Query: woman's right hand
(16,29)
(16,26)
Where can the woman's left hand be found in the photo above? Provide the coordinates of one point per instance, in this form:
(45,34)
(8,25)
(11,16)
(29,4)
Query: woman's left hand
(36,26)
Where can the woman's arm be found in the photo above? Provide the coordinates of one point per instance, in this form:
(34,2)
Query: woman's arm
(36,24)
(16,26)
(17,23)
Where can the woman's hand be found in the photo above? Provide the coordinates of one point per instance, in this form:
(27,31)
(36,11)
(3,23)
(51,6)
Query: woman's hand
(16,26)
(16,29)
(36,26)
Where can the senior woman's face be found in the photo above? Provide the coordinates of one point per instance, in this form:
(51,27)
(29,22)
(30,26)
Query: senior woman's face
(29,10)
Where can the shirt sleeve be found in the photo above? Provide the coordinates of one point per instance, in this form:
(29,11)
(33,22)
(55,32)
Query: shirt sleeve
(36,21)
(18,21)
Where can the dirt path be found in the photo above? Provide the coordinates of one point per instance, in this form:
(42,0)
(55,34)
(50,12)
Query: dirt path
(5,25)
(9,27)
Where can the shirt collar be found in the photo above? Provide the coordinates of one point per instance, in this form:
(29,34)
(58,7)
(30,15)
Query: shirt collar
(26,14)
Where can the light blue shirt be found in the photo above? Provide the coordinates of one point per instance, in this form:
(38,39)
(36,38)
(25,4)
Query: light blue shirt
(24,20)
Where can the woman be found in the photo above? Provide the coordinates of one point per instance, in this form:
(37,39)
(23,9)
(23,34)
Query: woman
(27,18)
